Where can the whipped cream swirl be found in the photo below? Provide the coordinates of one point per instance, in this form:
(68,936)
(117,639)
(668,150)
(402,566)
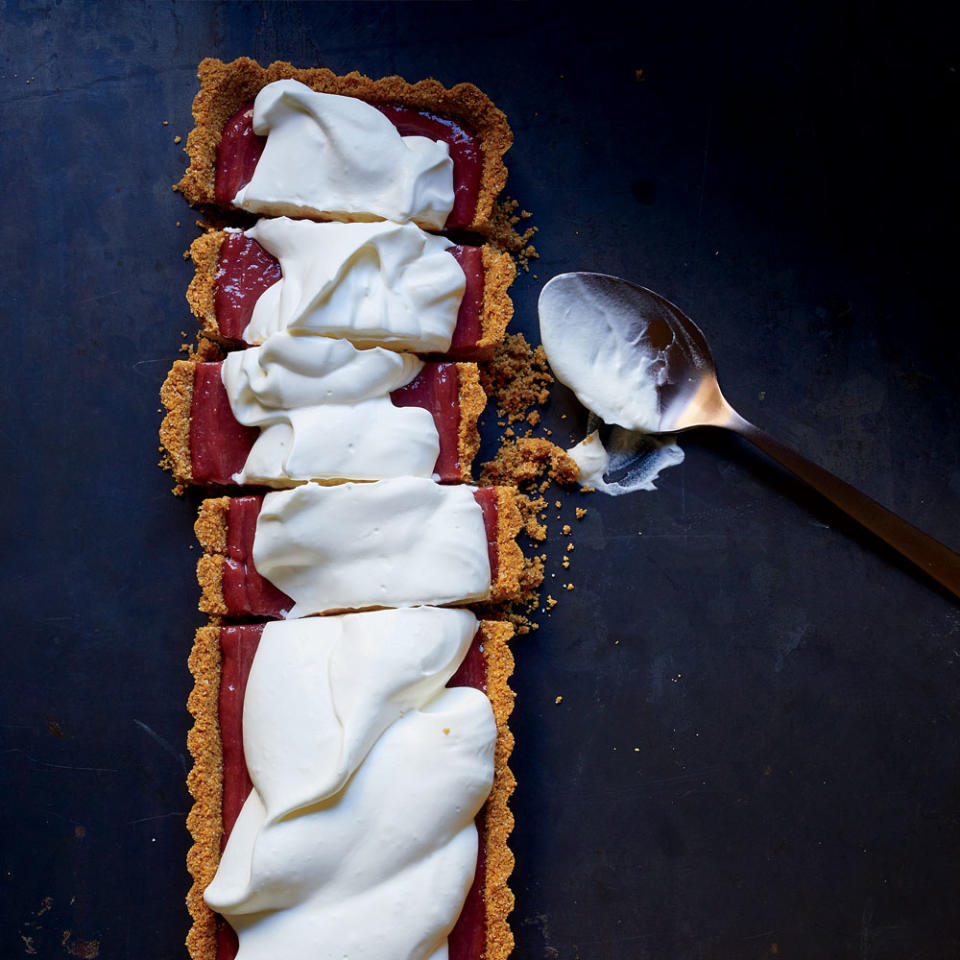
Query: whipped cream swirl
(358,838)
(338,158)
(325,412)
(371,283)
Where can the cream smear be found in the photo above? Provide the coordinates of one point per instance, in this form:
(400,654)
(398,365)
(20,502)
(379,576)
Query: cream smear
(338,158)
(394,543)
(382,284)
(325,412)
(632,459)
(358,838)
(596,346)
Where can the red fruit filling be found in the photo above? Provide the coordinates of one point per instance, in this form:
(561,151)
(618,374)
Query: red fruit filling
(219,445)
(247,594)
(245,270)
(238,645)
(240,149)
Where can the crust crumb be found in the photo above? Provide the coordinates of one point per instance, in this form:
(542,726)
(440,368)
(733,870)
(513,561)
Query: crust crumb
(525,461)
(503,230)
(518,378)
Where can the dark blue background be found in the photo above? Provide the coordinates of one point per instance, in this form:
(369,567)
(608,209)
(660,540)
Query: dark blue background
(757,749)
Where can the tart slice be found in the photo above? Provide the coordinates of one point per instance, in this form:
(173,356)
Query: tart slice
(335,271)
(393,543)
(427,426)
(220,781)
(448,145)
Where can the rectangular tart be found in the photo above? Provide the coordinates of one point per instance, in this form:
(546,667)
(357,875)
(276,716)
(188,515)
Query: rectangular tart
(233,270)
(205,444)
(232,587)
(476,131)
(220,662)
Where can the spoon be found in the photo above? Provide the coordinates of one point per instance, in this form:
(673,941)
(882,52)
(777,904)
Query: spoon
(637,361)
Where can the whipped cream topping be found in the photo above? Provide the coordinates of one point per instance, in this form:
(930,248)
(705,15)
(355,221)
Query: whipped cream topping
(633,457)
(596,346)
(371,283)
(394,543)
(358,837)
(325,412)
(338,158)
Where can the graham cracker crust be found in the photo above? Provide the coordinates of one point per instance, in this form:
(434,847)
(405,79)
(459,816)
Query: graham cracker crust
(176,394)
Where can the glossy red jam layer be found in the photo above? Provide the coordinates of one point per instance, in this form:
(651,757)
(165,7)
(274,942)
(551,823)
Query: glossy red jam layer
(464,151)
(468,332)
(238,645)
(245,270)
(238,153)
(219,445)
(240,150)
(247,594)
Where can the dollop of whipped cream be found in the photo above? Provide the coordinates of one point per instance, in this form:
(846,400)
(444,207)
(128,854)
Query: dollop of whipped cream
(325,411)
(338,158)
(371,283)
(635,458)
(358,837)
(394,543)
(596,346)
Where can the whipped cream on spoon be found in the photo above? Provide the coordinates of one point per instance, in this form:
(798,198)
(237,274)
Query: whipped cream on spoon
(636,360)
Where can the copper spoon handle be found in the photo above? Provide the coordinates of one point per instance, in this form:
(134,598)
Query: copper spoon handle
(928,554)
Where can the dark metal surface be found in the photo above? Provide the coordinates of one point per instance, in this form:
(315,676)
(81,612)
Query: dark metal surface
(756,752)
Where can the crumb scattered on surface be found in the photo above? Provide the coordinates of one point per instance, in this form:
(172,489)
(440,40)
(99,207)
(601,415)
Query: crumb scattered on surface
(178,139)
(509,230)
(558,700)
(526,460)
(581,512)
(517,379)
(530,508)
(76,947)
(566,529)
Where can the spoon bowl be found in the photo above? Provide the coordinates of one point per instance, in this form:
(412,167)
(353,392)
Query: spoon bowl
(655,343)
(638,361)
